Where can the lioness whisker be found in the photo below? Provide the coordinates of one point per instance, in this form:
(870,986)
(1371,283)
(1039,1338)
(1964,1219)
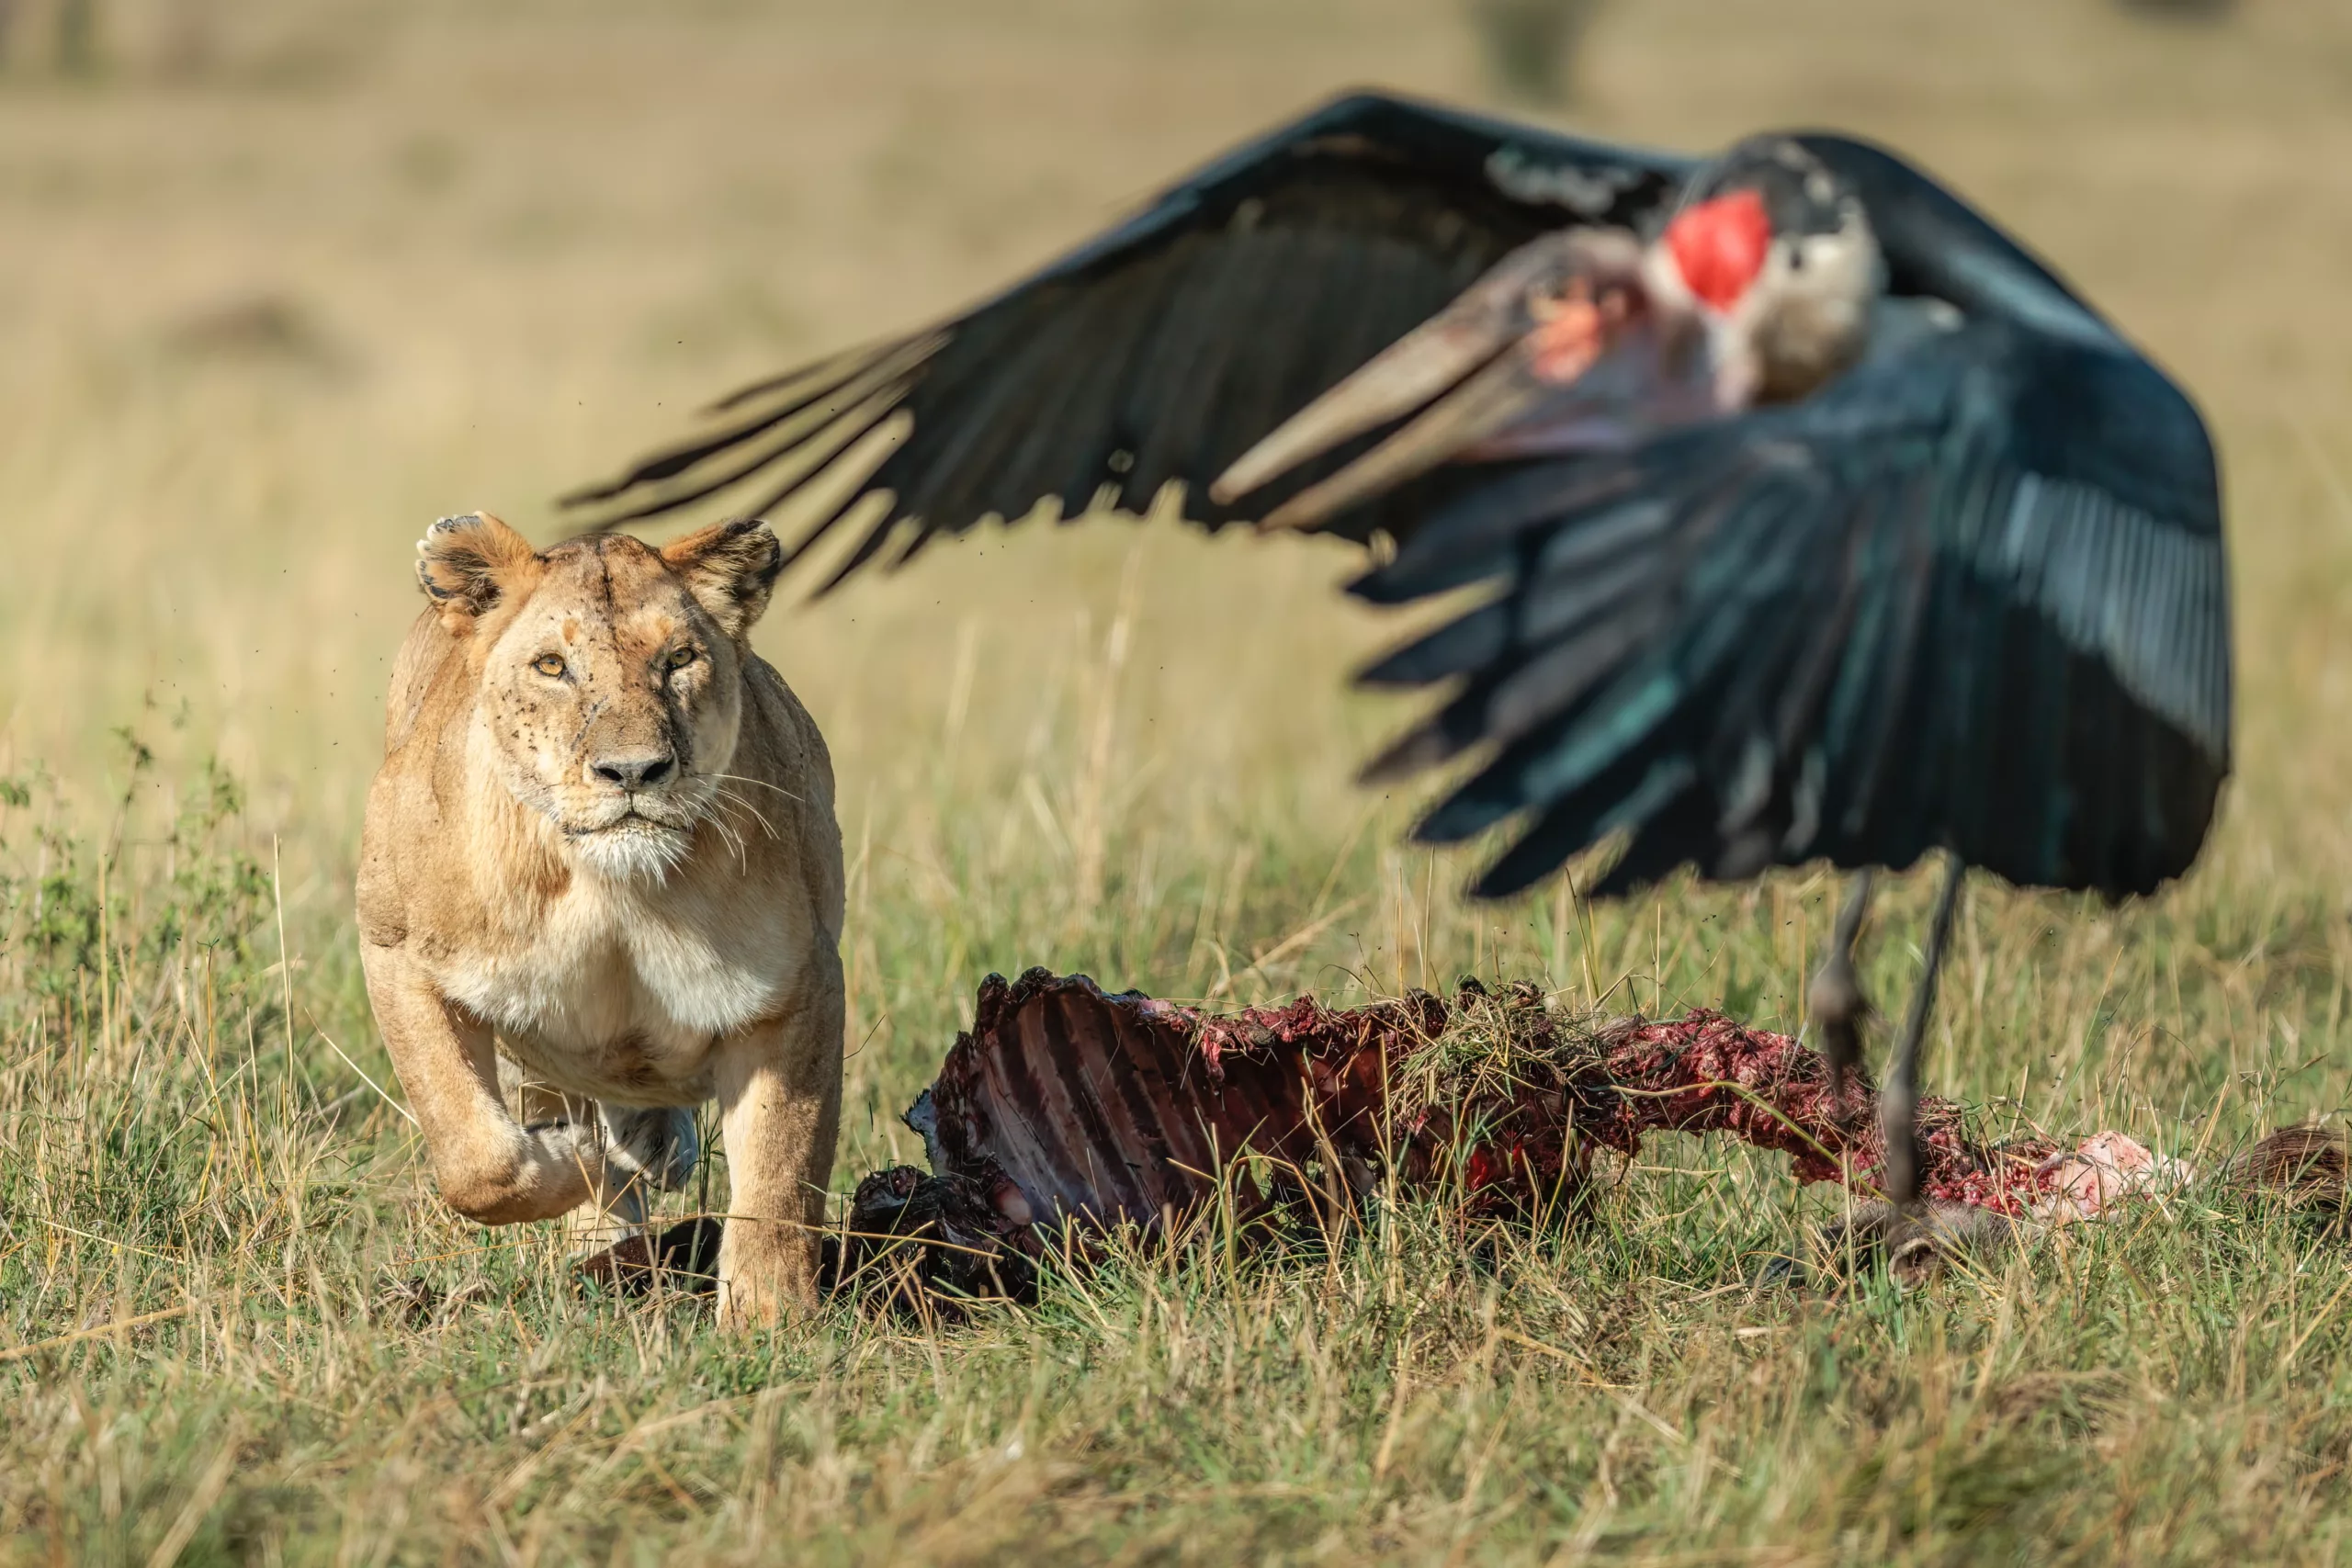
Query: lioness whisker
(764,784)
(732,799)
(734,841)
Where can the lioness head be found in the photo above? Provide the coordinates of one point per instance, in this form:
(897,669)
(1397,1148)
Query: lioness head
(611,674)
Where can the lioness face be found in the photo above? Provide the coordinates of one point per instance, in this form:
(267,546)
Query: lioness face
(613,701)
(611,689)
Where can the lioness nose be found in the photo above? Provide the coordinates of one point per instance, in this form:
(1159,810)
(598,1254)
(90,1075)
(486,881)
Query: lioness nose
(635,772)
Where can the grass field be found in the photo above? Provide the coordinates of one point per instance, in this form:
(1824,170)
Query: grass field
(273,303)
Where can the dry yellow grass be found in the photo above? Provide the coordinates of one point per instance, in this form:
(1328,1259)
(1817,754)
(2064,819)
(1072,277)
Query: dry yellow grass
(373,264)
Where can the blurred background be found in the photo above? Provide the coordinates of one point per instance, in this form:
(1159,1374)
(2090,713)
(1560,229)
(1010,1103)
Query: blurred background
(282,282)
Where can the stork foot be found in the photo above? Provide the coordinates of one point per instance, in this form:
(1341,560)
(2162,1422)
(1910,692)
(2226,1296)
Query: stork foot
(1834,1001)
(1838,1010)
(1898,1106)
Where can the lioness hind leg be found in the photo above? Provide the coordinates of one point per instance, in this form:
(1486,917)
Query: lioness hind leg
(659,1142)
(629,1152)
(646,1150)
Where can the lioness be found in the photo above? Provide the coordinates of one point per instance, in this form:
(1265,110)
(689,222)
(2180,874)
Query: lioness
(604,832)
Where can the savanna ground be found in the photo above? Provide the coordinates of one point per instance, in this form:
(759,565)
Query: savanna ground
(278,290)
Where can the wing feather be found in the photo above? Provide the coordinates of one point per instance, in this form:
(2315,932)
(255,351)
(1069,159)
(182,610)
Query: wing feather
(1867,627)
(1160,351)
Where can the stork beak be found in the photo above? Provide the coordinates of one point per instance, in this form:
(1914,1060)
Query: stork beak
(1529,391)
(1483,321)
(1490,402)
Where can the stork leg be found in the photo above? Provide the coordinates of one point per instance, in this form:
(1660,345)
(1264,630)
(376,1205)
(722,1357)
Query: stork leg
(1835,1000)
(1898,1105)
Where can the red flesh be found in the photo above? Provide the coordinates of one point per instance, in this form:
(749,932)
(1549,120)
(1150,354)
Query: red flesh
(1066,1104)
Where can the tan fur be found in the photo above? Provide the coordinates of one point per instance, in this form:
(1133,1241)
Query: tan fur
(650,935)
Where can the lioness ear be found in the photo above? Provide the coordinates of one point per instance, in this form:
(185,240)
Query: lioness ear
(468,564)
(729,569)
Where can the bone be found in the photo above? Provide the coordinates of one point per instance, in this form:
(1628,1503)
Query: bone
(1067,1114)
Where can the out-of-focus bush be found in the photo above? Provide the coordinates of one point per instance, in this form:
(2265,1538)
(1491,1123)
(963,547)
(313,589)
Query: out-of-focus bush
(1531,46)
(2180,11)
(191,41)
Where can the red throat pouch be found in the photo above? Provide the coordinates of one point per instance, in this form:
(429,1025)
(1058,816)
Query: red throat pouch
(1719,246)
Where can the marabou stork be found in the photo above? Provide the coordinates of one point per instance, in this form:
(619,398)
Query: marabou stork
(1820,519)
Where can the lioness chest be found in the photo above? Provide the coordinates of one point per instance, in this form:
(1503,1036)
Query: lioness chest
(619,991)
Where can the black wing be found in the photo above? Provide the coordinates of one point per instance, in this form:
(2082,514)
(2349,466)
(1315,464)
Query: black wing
(1971,595)
(1164,349)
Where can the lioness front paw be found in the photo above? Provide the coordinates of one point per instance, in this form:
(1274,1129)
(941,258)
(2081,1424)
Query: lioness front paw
(767,1274)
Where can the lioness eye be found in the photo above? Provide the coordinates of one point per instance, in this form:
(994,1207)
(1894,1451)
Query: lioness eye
(547,664)
(681,657)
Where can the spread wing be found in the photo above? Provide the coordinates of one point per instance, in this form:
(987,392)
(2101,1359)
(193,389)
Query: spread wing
(1163,349)
(1970,595)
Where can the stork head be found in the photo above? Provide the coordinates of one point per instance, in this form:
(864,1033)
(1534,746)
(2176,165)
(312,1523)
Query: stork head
(1774,256)
(1757,288)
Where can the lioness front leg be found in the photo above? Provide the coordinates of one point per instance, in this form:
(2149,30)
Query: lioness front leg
(780,1097)
(487,1166)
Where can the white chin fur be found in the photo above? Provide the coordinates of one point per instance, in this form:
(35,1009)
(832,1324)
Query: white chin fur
(632,852)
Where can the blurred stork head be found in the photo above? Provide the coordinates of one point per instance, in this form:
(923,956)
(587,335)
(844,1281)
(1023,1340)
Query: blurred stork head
(1758,288)
(1774,256)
